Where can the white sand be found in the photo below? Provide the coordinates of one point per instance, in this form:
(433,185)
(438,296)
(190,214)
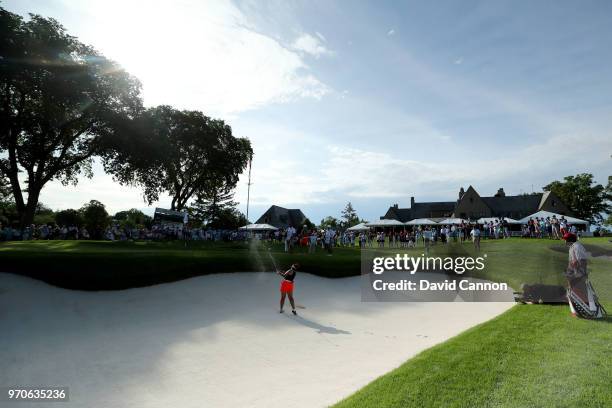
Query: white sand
(214,341)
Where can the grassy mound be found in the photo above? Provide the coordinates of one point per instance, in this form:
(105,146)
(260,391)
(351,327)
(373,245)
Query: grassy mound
(105,265)
(531,356)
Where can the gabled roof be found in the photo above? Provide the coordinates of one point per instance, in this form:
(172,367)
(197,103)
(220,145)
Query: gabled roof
(400,214)
(500,205)
(425,210)
(544,198)
(281,217)
(526,204)
(420,210)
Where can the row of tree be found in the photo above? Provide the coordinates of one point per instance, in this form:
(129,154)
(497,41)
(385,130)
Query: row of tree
(94,217)
(62,103)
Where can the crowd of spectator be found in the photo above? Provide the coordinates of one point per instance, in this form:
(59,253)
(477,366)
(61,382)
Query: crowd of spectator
(327,239)
(419,235)
(119,233)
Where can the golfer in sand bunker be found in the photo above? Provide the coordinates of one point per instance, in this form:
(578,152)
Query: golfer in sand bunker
(286,287)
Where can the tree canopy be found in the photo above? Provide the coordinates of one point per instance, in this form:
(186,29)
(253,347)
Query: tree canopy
(329,222)
(68,217)
(95,218)
(183,153)
(587,199)
(213,202)
(58,99)
(133,218)
(349,216)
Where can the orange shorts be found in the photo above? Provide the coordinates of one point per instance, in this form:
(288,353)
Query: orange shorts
(286,286)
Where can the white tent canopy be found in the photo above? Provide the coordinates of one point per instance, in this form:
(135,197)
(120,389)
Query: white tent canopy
(421,221)
(487,220)
(450,221)
(359,227)
(385,223)
(259,227)
(545,214)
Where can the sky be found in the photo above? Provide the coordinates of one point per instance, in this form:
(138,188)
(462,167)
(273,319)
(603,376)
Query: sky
(367,102)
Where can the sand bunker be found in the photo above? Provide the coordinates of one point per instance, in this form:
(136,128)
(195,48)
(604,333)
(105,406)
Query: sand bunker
(214,341)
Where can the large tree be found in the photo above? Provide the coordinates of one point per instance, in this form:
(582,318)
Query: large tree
(214,202)
(587,199)
(182,153)
(59,98)
(329,222)
(95,218)
(349,216)
(133,218)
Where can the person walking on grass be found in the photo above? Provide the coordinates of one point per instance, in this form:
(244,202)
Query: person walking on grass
(329,240)
(286,287)
(312,248)
(476,236)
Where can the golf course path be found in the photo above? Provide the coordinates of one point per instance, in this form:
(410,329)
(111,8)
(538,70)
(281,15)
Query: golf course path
(214,341)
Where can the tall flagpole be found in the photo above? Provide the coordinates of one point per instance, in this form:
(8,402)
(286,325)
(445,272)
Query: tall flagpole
(249,191)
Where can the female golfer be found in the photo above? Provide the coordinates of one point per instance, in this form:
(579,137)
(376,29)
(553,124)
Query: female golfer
(580,293)
(286,287)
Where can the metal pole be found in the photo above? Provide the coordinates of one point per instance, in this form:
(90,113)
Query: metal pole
(249,188)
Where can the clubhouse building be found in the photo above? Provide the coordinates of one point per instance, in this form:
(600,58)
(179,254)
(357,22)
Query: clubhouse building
(280,217)
(471,205)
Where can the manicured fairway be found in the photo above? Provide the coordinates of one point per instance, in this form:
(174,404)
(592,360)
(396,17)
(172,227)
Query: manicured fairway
(530,356)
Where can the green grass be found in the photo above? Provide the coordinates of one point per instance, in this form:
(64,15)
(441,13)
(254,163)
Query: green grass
(101,265)
(105,265)
(530,356)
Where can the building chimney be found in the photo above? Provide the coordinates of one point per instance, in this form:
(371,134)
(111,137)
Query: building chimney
(500,192)
(411,202)
(395,205)
(461,192)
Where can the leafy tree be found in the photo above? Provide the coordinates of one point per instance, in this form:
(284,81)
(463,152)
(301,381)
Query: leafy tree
(5,190)
(329,222)
(68,217)
(95,218)
(229,218)
(44,215)
(183,153)
(349,216)
(585,198)
(308,225)
(133,218)
(608,220)
(59,99)
(213,201)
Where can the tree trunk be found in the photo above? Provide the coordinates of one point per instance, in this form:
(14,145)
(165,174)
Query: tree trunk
(13,175)
(27,215)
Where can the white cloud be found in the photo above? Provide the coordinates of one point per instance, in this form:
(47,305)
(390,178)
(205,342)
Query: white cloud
(343,171)
(311,45)
(391,32)
(199,55)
